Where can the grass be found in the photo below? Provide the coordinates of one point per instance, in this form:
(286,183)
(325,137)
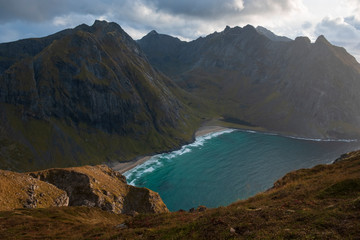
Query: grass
(318,203)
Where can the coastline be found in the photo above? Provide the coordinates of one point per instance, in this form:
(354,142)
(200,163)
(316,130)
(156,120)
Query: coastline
(123,167)
(207,128)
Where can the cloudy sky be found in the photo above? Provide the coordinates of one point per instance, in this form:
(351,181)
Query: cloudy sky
(338,20)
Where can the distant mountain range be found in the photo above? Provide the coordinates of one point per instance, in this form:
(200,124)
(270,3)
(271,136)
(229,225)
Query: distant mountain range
(91,94)
(251,75)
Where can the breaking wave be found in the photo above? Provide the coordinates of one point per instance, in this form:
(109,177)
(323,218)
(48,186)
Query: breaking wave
(157,161)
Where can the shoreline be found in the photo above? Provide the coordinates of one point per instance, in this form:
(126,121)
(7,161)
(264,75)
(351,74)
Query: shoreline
(213,127)
(123,167)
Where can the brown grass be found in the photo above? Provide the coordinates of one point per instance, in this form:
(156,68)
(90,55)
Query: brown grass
(318,203)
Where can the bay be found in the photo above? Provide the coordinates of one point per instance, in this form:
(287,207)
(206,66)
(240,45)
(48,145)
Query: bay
(223,167)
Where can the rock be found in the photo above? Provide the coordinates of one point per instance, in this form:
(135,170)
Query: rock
(201,208)
(232,230)
(121,226)
(100,186)
(132,213)
(19,190)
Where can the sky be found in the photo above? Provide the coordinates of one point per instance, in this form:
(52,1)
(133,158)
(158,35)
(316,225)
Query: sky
(337,20)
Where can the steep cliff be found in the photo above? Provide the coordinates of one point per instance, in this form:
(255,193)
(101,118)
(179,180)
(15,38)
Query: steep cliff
(100,186)
(294,86)
(85,96)
(90,186)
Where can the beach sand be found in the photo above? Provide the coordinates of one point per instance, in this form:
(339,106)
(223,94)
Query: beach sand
(126,166)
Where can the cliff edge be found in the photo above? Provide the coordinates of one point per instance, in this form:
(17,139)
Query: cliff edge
(91,186)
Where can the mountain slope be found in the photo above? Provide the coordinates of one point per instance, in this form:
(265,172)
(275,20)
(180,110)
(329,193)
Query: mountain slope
(293,87)
(267,33)
(86,95)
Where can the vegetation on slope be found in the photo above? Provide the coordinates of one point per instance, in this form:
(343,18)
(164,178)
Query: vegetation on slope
(318,203)
(87,96)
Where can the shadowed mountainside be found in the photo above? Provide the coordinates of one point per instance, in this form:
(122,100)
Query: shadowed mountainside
(86,96)
(290,86)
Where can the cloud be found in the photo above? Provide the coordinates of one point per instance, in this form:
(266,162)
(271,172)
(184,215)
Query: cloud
(339,32)
(337,29)
(43,10)
(354,21)
(306,25)
(256,7)
(205,9)
(186,19)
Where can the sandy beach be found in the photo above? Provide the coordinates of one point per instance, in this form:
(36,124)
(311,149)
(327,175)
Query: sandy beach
(126,166)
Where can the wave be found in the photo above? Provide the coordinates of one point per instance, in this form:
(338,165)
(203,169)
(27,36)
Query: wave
(155,161)
(303,138)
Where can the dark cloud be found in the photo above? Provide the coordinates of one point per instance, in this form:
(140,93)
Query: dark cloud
(226,10)
(269,6)
(219,8)
(198,8)
(44,10)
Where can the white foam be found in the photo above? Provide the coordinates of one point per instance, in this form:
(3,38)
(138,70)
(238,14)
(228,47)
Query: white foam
(150,169)
(155,161)
(303,138)
(324,140)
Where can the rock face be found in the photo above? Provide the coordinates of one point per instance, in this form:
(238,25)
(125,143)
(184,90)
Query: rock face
(100,186)
(295,87)
(63,94)
(22,191)
(92,186)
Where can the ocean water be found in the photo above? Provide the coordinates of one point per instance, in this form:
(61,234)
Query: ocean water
(222,167)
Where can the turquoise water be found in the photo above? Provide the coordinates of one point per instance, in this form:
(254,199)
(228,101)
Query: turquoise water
(220,168)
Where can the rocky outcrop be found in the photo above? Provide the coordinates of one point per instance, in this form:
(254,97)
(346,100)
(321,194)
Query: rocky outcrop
(91,186)
(22,191)
(100,186)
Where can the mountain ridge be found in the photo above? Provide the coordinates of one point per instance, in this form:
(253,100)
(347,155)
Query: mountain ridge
(88,83)
(283,86)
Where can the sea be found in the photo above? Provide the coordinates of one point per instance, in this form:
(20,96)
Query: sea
(223,167)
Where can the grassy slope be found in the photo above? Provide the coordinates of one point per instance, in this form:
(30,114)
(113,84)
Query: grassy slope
(318,203)
(164,121)
(67,146)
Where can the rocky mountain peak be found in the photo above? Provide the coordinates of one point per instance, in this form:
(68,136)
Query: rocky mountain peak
(249,29)
(153,32)
(272,36)
(322,39)
(303,40)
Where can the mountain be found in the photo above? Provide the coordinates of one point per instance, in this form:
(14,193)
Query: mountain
(86,95)
(272,36)
(318,203)
(293,87)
